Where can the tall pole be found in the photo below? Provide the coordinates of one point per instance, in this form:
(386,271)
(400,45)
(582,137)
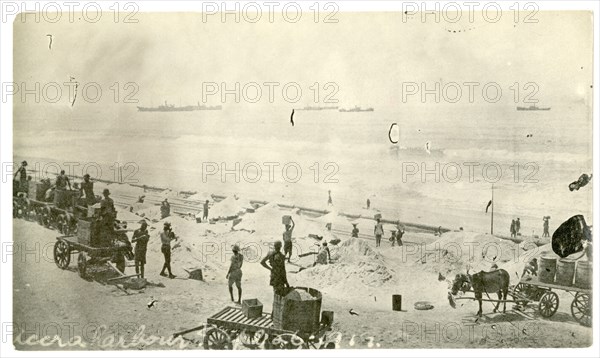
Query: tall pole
(492,224)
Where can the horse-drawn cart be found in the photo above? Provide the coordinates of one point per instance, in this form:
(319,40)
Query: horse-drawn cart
(95,245)
(548,301)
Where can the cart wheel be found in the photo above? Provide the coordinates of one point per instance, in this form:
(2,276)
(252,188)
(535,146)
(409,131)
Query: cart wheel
(252,340)
(217,339)
(62,254)
(82,264)
(581,309)
(287,341)
(548,304)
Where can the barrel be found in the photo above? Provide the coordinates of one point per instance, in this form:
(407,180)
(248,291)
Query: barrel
(583,274)
(298,311)
(547,269)
(397,302)
(565,271)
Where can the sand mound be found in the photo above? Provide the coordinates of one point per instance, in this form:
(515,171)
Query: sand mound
(357,265)
(228,208)
(455,252)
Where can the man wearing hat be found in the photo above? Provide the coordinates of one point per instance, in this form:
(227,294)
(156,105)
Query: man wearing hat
(165,238)
(107,210)
(87,189)
(234,275)
(140,238)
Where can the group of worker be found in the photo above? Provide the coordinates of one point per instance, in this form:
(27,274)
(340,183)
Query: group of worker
(140,239)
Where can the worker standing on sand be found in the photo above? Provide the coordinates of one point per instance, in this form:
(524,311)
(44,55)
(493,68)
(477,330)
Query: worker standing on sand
(87,189)
(165,209)
(165,238)
(368,203)
(517,227)
(205,214)
(287,239)
(546,226)
(278,275)
(399,235)
(234,275)
(378,231)
(354,230)
(393,238)
(107,211)
(140,238)
(513,232)
(22,172)
(329,200)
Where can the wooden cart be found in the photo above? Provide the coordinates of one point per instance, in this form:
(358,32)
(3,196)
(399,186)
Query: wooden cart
(230,325)
(95,246)
(544,294)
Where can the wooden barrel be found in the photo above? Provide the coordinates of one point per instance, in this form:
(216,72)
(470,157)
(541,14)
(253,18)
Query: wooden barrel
(583,274)
(547,269)
(565,271)
(297,314)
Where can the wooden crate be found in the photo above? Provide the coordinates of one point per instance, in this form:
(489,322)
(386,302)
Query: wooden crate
(252,308)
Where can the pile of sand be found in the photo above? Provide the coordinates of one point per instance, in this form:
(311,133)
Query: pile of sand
(229,208)
(455,252)
(356,264)
(200,197)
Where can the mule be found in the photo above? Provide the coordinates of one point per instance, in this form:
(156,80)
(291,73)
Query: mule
(489,282)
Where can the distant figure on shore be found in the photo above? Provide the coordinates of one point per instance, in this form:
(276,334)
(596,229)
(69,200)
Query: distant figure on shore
(165,238)
(278,275)
(368,204)
(399,235)
(513,229)
(87,190)
(140,239)
(165,209)
(378,231)
(234,275)
(438,231)
(141,199)
(287,239)
(393,238)
(329,200)
(354,230)
(546,226)
(518,227)
(205,214)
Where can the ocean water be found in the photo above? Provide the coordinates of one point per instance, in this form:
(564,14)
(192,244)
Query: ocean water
(538,155)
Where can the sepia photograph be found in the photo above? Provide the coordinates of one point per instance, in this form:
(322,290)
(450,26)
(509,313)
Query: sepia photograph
(245,176)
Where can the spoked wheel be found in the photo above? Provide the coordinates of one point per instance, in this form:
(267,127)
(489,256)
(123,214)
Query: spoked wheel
(548,304)
(217,339)
(62,254)
(520,294)
(581,309)
(287,341)
(82,264)
(252,340)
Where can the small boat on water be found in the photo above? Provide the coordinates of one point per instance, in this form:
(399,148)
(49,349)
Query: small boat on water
(318,108)
(533,108)
(357,109)
(171,108)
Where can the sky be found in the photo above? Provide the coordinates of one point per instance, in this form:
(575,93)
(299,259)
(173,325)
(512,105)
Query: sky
(368,55)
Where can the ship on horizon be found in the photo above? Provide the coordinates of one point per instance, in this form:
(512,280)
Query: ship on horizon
(317,108)
(357,109)
(171,108)
(533,108)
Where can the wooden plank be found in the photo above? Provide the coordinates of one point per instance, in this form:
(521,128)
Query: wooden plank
(537,283)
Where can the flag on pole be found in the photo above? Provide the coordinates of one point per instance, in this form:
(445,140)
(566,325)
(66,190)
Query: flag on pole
(488,206)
